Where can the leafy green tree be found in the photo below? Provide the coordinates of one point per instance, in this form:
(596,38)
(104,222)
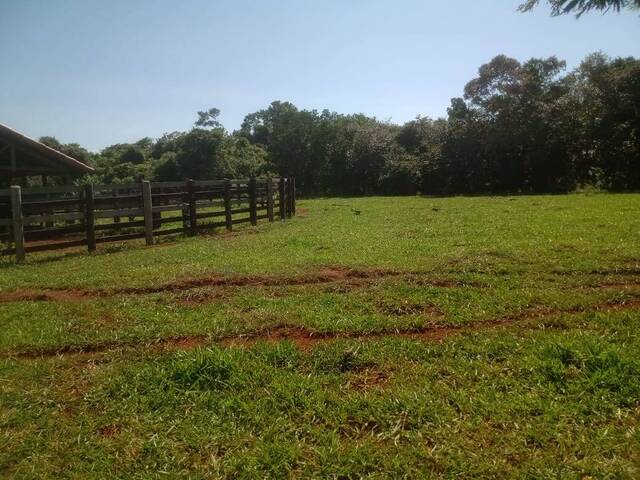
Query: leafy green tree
(288,135)
(209,119)
(74,150)
(123,163)
(167,168)
(373,148)
(199,154)
(459,165)
(515,103)
(196,154)
(580,7)
(245,159)
(606,99)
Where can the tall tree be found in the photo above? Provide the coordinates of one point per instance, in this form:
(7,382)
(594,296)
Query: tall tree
(208,119)
(511,99)
(74,150)
(607,99)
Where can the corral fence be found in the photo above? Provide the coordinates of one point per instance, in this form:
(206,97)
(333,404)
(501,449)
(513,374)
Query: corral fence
(52,218)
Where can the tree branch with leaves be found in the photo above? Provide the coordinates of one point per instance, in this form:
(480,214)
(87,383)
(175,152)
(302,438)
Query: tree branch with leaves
(580,7)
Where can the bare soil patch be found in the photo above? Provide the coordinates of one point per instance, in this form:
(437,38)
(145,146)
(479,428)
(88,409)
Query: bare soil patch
(186,343)
(109,431)
(303,338)
(367,379)
(200,296)
(58,295)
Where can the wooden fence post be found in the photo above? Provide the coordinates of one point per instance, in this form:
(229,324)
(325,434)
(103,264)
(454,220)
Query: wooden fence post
(253,213)
(147,202)
(270,199)
(282,205)
(48,224)
(287,197)
(185,217)
(116,205)
(17,223)
(293,195)
(193,219)
(227,205)
(291,204)
(89,219)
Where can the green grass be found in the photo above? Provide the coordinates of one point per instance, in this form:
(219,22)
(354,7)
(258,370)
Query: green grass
(474,337)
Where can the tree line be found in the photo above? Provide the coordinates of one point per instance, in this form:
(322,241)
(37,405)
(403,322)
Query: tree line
(520,127)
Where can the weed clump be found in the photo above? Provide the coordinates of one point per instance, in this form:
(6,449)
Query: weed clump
(282,355)
(204,369)
(336,359)
(592,368)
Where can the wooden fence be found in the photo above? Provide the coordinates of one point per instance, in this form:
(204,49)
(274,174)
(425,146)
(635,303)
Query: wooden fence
(51,218)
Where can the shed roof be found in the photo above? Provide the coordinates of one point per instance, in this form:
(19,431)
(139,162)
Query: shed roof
(22,155)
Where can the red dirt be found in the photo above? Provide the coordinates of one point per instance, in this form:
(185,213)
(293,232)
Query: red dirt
(301,337)
(340,279)
(370,378)
(109,431)
(326,275)
(306,339)
(625,284)
(200,297)
(29,295)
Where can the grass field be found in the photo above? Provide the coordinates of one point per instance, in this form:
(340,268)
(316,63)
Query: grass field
(372,337)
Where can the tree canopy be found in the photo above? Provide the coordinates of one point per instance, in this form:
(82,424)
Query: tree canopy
(518,127)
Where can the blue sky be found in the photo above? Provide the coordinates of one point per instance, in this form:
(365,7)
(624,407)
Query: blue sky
(102,72)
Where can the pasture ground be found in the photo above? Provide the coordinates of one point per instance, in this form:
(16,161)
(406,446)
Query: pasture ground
(369,337)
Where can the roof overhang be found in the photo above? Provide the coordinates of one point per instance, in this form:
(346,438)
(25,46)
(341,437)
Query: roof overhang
(21,155)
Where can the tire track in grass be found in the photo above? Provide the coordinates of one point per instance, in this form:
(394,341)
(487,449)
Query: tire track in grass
(332,274)
(305,339)
(326,275)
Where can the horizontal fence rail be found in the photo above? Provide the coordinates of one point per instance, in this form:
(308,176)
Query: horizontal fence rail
(52,218)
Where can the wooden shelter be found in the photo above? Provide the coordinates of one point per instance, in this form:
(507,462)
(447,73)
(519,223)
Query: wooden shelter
(22,157)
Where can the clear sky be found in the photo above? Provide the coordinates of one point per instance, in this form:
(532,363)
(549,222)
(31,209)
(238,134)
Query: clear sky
(100,72)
